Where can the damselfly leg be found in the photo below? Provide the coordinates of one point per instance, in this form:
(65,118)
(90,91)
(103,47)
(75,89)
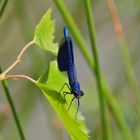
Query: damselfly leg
(62,89)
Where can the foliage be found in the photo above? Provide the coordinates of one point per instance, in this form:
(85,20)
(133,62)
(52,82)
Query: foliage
(52,80)
(50,84)
(44,34)
(117,113)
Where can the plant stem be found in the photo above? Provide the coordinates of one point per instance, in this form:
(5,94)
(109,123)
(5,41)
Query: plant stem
(11,103)
(124,129)
(19,76)
(108,94)
(123,47)
(105,129)
(126,57)
(3,7)
(18,60)
(76,34)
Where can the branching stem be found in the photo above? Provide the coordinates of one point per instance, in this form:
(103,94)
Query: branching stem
(19,76)
(18,60)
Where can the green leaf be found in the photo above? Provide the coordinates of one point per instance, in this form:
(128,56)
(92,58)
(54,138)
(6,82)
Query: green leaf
(44,33)
(50,84)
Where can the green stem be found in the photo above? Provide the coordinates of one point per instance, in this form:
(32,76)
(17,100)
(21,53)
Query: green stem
(76,34)
(114,107)
(3,7)
(11,103)
(107,93)
(128,66)
(124,48)
(130,74)
(105,129)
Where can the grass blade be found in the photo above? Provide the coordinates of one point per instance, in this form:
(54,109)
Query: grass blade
(76,34)
(11,103)
(3,7)
(108,94)
(91,27)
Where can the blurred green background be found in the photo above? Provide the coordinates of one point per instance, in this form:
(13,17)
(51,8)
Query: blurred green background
(38,119)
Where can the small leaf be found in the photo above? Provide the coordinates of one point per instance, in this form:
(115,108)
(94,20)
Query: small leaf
(44,33)
(50,84)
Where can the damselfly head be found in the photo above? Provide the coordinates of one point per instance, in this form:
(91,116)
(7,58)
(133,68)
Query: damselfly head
(78,94)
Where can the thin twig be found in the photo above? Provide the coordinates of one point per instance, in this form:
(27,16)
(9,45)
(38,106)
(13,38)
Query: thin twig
(18,60)
(19,76)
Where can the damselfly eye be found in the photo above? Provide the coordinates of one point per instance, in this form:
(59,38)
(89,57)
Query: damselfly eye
(82,93)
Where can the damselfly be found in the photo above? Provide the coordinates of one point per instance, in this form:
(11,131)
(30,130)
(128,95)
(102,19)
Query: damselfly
(65,60)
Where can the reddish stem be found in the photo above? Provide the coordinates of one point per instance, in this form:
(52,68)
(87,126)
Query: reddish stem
(19,76)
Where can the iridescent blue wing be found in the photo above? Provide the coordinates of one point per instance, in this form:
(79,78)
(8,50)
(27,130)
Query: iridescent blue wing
(62,58)
(65,58)
(72,70)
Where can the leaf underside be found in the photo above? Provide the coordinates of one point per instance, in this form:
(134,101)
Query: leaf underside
(50,84)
